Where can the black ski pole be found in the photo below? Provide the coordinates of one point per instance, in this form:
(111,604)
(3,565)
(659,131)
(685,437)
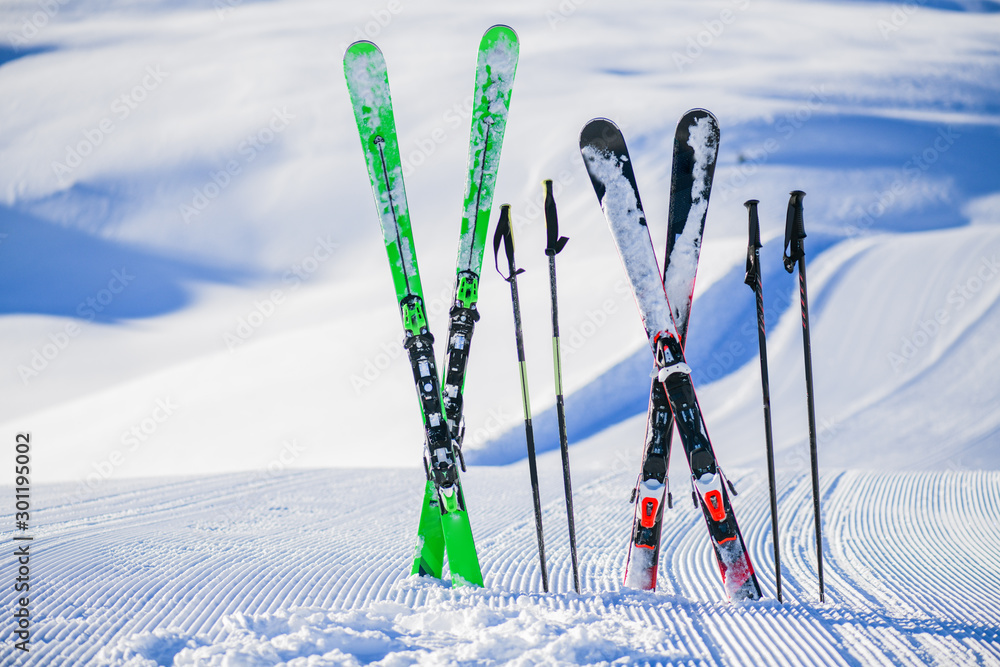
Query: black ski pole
(555,244)
(505,236)
(795,252)
(753,279)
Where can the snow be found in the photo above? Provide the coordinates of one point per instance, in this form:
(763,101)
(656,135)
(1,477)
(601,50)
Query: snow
(200,334)
(366,74)
(687,246)
(501,62)
(495,78)
(291,568)
(621,206)
(367,81)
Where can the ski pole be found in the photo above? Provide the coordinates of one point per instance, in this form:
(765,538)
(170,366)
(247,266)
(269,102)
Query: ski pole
(795,252)
(505,235)
(753,279)
(555,245)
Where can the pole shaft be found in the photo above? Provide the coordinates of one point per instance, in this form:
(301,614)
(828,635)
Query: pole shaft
(561,416)
(528,431)
(768,439)
(814,458)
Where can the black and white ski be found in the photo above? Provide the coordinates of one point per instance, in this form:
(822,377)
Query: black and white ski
(696,145)
(607,161)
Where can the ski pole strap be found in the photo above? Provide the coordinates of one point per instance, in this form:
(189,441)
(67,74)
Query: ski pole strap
(753,245)
(555,242)
(504,235)
(795,231)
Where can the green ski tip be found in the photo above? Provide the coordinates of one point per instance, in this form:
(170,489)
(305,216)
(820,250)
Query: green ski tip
(496,66)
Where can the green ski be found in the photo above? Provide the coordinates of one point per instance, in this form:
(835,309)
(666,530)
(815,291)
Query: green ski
(495,69)
(368,84)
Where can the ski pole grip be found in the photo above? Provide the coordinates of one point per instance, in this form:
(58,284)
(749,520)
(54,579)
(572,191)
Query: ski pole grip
(753,244)
(555,242)
(795,231)
(504,235)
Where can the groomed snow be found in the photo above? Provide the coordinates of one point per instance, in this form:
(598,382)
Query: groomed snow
(300,568)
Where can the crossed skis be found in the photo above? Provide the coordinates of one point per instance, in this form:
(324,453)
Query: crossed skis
(444,526)
(664,303)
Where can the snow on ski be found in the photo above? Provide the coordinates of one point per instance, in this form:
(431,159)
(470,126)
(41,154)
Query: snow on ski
(696,146)
(607,161)
(495,69)
(611,173)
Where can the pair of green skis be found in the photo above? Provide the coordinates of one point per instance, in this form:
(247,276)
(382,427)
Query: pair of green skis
(444,521)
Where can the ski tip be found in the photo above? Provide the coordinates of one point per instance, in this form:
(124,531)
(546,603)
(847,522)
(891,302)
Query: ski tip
(695,118)
(600,120)
(699,112)
(597,128)
(499,51)
(501,29)
(362,47)
(497,34)
(361,59)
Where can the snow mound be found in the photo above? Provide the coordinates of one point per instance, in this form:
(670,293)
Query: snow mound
(445,627)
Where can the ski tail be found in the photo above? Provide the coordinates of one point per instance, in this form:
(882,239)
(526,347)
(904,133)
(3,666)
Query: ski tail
(710,488)
(651,490)
(428,557)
